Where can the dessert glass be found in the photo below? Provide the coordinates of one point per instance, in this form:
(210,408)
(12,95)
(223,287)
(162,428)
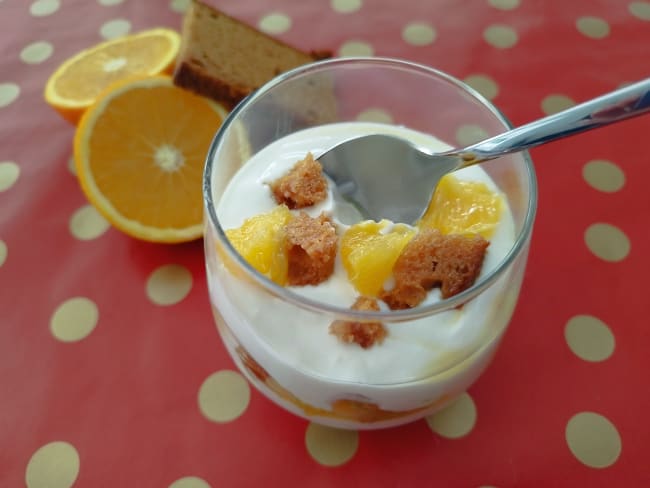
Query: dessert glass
(340,90)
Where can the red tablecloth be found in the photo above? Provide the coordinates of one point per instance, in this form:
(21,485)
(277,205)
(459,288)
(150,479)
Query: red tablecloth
(111,369)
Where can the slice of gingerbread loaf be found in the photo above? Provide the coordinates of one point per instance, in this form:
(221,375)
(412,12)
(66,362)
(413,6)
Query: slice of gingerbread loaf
(225,59)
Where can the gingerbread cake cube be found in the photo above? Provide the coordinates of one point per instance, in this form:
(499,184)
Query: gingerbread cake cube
(365,334)
(432,259)
(311,249)
(303,186)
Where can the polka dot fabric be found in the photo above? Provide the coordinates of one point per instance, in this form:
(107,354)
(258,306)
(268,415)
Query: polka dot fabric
(113,373)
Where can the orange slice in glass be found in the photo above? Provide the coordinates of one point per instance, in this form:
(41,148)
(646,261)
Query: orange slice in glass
(463,207)
(261,240)
(369,251)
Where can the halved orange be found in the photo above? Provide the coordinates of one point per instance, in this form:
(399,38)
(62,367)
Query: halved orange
(77,82)
(139,154)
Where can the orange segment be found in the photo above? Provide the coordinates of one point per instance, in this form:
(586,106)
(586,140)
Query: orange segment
(463,207)
(139,154)
(76,84)
(261,240)
(369,253)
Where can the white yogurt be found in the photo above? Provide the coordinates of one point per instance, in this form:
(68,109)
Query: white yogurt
(429,358)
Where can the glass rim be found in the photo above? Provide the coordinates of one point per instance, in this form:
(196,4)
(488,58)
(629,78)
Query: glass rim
(345,313)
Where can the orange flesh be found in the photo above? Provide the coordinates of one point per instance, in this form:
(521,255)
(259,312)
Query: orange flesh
(147,157)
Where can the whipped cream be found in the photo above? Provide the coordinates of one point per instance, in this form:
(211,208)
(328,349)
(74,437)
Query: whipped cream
(412,350)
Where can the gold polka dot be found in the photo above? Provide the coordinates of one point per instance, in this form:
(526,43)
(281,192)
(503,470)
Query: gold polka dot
(346,6)
(41,8)
(603,175)
(3,252)
(224,396)
(589,338)
(9,172)
(86,223)
(504,4)
(419,34)
(275,23)
(329,446)
(469,134)
(169,284)
(74,319)
(607,242)
(593,439)
(189,482)
(593,27)
(356,48)
(641,10)
(556,103)
(483,84)
(108,3)
(54,465)
(36,52)
(115,28)
(500,36)
(377,115)
(456,420)
(179,6)
(8,93)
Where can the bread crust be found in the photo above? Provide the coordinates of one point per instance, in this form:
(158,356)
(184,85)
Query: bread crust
(191,77)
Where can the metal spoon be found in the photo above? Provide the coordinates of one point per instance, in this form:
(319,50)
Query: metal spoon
(384,176)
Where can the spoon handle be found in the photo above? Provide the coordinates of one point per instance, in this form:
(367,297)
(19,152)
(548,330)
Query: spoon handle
(615,106)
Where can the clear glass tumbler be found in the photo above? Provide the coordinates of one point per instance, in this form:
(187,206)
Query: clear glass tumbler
(243,300)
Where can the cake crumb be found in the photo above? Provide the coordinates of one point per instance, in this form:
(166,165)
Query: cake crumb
(432,259)
(365,334)
(303,186)
(311,249)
